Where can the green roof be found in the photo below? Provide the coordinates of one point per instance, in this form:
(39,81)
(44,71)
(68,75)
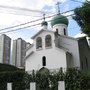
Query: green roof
(59,19)
(44,23)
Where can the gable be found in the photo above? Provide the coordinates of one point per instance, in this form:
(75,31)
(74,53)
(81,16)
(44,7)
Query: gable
(41,31)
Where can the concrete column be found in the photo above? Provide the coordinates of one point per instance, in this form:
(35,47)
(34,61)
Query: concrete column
(32,86)
(61,85)
(9,86)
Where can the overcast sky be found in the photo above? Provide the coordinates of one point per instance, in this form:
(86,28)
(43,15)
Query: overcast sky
(10,17)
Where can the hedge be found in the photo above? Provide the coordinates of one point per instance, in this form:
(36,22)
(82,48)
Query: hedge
(74,79)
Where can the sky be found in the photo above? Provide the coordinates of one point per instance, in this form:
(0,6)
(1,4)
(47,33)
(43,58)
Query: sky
(10,17)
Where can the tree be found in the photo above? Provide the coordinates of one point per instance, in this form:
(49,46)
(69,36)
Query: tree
(82,17)
(88,1)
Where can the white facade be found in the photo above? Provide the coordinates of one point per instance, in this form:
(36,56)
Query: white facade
(62,29)
(65,51)
(55,57)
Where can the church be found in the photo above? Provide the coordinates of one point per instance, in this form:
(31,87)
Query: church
(53,49)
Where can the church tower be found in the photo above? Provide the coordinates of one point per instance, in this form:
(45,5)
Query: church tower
(60,23)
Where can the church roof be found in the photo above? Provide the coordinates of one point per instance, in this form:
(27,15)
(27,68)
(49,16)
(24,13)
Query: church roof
(59,19)
(40,32)
(64,36)
(29,47)
(29,54)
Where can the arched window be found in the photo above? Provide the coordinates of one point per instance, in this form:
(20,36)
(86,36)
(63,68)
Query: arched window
(48,41)
(57,31)
(64,31)
(38,43)
(43,61)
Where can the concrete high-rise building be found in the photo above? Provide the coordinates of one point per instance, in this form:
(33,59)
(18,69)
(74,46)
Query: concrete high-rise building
(5,47)
(19,52)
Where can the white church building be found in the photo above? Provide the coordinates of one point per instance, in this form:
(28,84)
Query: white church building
(53,49)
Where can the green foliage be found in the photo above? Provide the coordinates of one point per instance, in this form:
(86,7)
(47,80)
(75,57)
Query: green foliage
(82,17)
(6,67)
(74,79)
(16,77)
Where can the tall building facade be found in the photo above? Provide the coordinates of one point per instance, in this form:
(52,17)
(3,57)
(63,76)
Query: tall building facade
(19,52)
(5,47)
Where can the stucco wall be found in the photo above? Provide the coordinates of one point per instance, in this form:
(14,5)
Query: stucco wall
(55,57)
(71,45)
(60,28)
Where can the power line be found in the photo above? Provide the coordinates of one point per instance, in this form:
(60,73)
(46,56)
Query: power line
(20,14)
(32,21)
(23,9)
(20,28)
(76,1)
(29,26)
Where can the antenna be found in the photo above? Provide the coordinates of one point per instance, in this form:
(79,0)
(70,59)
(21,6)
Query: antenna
(58,8)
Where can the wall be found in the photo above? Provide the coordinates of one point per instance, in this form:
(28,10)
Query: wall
(84,53)
(55,57)
(5,45)
(60,28)
(72,46)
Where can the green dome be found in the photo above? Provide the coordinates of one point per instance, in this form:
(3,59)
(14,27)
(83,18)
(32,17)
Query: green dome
(44,23)
(59,19)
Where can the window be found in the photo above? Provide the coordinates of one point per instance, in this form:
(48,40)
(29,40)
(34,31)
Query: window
(48,42)
(38,43)
(44,61)
(57,31)
(64,31)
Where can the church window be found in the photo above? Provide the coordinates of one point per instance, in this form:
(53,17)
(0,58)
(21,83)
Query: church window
(64,31)
(57,31)
(44,61)
(48,42)
(38,43)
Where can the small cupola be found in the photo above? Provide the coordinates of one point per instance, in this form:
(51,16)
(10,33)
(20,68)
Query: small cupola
(44,24)
(60,23)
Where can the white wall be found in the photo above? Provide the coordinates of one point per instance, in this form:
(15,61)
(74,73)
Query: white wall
(72,45)
(60,28)
(55,57)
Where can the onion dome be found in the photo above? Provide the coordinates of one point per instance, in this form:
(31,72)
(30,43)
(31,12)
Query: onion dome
(44,23)
(59,19)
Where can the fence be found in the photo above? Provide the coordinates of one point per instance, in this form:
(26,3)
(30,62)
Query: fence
(61,86)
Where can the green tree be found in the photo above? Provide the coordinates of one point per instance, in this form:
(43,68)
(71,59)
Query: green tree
(82,17)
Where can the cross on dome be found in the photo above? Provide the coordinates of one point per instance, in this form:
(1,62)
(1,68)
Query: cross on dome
(58,7)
